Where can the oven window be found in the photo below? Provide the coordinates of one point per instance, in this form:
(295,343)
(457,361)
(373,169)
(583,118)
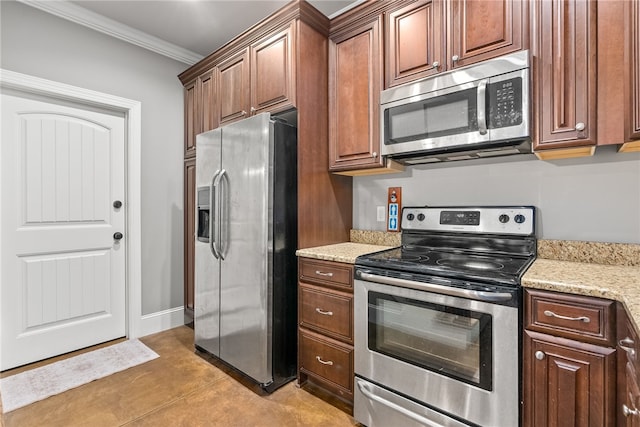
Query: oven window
(443,339)
(449,114)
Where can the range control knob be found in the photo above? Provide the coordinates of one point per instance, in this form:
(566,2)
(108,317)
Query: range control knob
(519,218)
(410,217)
(421,217)
(504,218)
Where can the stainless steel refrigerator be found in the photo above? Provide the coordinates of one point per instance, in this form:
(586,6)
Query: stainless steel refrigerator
(245,263)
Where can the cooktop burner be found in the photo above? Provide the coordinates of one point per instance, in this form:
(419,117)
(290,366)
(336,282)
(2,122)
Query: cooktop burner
(491,245)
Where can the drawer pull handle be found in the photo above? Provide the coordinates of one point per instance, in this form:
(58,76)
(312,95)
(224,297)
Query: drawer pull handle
(324,313)
(626,344)
(320,273)
(328,362)
(550,313)
(626,411)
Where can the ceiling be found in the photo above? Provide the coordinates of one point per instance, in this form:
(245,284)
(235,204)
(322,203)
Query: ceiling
(199,26)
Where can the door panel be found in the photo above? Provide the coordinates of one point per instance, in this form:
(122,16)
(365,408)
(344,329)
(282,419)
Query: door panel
(63,274)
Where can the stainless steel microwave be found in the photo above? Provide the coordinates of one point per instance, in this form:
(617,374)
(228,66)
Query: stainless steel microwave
(482,110)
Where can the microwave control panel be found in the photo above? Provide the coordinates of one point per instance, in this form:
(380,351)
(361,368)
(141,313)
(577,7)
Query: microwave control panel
(505,103)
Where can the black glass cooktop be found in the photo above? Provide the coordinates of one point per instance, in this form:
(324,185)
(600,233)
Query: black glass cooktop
(492,260)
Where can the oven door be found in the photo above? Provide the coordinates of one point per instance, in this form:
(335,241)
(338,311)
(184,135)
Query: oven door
(457,355)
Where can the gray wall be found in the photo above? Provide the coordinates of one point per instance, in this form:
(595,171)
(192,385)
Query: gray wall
(590,199)
(42,45)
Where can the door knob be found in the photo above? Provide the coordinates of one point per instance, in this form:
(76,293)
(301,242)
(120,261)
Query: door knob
(117,204)
(117,235)
(539,355)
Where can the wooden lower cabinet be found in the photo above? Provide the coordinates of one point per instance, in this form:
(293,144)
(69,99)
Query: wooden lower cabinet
(189,237)
(628,408)
(567,383)
(325,333)
(569,360)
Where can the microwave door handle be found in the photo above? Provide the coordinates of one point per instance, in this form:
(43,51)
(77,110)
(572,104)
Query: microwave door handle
(223,228)
(482,107)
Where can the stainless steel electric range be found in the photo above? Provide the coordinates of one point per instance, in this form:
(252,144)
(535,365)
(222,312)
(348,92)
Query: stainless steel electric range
(438,319)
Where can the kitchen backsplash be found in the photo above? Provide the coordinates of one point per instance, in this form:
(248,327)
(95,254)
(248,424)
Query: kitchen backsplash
(560,250)
(593,199)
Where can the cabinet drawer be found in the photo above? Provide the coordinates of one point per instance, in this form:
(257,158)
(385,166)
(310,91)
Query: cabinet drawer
(586,319)
(326,273)
(327,312)
(328,361)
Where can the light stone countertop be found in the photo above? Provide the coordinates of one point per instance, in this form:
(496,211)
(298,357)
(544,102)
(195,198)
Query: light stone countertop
(615,282)
(340,252)
(605,270)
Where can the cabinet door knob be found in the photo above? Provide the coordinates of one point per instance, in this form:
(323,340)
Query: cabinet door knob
(580,126)
(539,355)
(253,110)
(455,58)
(374,154)
(436,64)
(244,113)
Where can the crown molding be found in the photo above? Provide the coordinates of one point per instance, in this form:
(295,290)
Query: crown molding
(97,22)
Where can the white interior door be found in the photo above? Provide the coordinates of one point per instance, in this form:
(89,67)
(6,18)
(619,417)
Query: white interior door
(62,270)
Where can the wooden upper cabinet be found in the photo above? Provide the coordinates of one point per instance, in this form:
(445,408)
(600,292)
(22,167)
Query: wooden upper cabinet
(632,74)
(259,78)
(565,73)
(414,41)
(208,101)
(355,82)
(484,29)
(234,87)
(272,72)
(422,41)
(191,122)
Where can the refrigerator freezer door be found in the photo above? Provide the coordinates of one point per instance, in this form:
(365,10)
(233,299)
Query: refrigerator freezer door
(245,243)
(207,267)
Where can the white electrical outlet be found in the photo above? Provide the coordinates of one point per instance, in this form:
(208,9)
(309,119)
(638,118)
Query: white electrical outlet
(381,214)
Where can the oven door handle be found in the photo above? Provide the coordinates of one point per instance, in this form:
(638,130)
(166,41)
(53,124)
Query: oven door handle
(439,289)
(416,417)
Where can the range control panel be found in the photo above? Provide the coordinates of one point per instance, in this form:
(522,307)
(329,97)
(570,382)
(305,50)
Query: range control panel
(518,220)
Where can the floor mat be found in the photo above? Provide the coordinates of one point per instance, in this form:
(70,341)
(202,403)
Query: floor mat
(30,386)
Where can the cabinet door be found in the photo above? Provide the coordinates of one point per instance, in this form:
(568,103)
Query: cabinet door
(632,75)
(414,42)
(191,121)
(483,29)
(233,87)
(189,233)
(272,72)
(208,113)
(567,383)
(565,70)
(355,82)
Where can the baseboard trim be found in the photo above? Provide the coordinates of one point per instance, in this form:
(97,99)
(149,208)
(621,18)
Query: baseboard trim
(161,321)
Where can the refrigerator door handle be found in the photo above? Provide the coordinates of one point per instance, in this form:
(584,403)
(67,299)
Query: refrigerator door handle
(217,205)
(223,178)
(213,215)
